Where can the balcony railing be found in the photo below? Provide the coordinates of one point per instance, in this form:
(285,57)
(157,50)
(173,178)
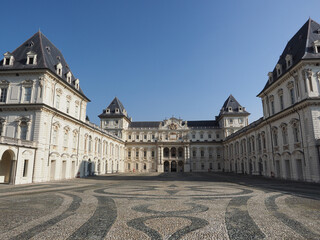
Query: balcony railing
(16,141)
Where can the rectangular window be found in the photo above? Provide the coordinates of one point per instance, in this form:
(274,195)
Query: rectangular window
(76,110)
(219,166)
(202,153)
(128,166)
(137,166)
(153,137)
(65,140)
(68,106)
(193,136)
(145,154)
(58,101)
(210,166)
(240,120)
(25,168)
(281,102)
(3,94)
(194,153)
(201,136)
(23,131)
(292,96)
(152,154)
(129,136)
(202,166)
(74,141)
(218,136)
(27,94)
(296,134)
(272,107)
(209,136)
(137,137)
(129,154)
(7,61)
(145,136)
(137,154)
(31,60)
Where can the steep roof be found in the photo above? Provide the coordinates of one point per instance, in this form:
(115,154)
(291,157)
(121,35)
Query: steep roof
(300,47)
(232,103)
(48,56)
(115,104)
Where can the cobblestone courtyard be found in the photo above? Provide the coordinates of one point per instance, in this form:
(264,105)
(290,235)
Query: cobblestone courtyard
(165,206)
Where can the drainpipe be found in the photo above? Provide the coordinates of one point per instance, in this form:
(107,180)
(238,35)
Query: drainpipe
(53,98)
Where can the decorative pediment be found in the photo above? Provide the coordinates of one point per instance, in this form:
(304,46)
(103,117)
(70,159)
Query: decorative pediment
(27,82)
(173,124)
(4,83)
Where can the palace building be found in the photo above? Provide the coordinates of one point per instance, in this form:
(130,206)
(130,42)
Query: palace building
(45,135)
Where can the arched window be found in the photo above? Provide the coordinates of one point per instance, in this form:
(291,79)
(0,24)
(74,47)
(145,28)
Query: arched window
(90,143)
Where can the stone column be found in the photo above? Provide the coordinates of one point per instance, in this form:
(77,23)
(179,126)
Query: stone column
(187,159)
(160,163)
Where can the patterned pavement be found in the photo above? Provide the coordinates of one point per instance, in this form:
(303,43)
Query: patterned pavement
(161,206)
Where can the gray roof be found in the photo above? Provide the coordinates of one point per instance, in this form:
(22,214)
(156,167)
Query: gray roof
(144,124)
(48,56)
(156,124)
(115,104)
(300,46)
(203,123)
(233,103)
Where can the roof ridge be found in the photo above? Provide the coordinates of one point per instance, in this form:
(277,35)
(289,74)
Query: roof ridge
(307,39)
(41,47)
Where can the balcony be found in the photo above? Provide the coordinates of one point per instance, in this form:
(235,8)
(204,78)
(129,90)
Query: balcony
(16,141)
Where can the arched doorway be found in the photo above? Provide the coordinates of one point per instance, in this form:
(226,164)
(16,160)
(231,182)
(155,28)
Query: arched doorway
(6,164)
(180,166)
(166,166)
(89,168)
(173,166)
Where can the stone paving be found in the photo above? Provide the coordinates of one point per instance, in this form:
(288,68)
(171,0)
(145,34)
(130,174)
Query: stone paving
(161,206)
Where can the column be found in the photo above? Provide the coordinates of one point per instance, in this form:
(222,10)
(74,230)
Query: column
(187,159)
(160,163)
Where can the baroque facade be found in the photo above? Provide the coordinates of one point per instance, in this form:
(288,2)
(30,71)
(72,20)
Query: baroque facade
(45,134)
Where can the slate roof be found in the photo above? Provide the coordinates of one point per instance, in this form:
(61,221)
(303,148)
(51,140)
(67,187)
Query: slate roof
(300,46)
(144,124)
(203,123)
(115,104)
(191,124)
(48,56)
(233,103)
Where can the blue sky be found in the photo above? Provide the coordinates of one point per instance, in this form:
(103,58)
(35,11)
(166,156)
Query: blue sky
(165,57)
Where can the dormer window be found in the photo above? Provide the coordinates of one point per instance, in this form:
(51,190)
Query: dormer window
(108,110)
(270,75)
(31,58)
(8,59)
(316,46)
(229,109)
(289,60)
(69,77)
(77,84)
(279,69)
(240,109)
(117,110)
(59,69)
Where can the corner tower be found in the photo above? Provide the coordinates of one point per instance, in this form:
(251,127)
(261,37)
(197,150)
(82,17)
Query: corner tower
(232,116)
(115,118)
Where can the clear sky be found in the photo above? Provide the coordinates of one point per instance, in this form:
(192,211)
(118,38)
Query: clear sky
(163,57)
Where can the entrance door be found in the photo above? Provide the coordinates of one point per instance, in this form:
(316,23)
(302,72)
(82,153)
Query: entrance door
(299,169)
(89,168)
(52,170)
(64,168)
(180,166)
(166,166)
(173,166)
(278,169)
(73,169)
(6,166)
(288,169)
